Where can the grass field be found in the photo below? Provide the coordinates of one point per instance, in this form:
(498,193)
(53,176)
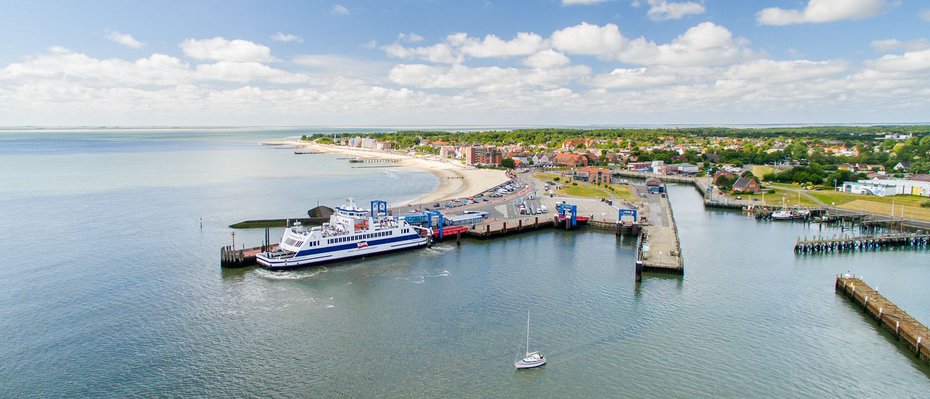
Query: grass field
(880,208)
(761,170)
(621,191)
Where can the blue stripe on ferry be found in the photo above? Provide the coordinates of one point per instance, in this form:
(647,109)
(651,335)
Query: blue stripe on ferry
(354,245)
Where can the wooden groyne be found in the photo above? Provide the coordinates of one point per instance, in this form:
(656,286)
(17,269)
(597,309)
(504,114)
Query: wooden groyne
(820,245)
(906,329)
(374,160)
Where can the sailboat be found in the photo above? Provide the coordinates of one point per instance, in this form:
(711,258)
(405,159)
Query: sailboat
(530,359)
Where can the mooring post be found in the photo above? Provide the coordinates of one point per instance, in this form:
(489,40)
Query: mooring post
(458,238)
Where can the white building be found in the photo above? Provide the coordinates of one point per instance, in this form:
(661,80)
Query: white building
(883,188)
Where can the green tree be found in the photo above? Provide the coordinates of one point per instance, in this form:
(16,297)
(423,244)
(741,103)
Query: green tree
(508,163)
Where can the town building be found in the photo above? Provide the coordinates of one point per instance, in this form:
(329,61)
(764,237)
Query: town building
(887,187)
(570,160)
(746,185)
(482,156)
(593,175)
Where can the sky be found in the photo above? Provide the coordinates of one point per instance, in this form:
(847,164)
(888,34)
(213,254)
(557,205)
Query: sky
(464,62)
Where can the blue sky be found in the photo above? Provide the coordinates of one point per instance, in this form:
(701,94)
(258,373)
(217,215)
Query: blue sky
(419,62)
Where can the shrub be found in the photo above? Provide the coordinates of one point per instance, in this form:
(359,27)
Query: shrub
(925,204)
(574,183)
(555,178)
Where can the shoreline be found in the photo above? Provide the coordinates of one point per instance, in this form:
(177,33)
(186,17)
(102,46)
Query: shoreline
(455,180)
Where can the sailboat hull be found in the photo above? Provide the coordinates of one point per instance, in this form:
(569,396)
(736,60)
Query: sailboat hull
(525,364)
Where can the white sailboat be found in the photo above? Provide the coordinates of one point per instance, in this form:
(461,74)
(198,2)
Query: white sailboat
(530,359)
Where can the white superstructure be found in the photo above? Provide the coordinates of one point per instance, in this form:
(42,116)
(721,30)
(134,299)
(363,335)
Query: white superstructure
(351,232)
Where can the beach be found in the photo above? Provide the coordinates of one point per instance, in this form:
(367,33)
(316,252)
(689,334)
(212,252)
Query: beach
(455,180)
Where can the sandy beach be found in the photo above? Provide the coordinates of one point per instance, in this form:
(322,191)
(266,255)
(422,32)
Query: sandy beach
(455,179)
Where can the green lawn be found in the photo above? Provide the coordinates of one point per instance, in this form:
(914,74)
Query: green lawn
(775,198)
(761,170)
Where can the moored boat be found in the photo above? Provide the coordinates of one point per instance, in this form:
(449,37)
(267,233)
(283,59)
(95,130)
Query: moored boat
(351,232)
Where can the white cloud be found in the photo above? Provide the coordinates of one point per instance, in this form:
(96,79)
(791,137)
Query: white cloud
(783,71)
(820,11)
(703,44)
(220,49)
(124,39)
(587,39)
(339,9)
(889,45)
(244,72)
(662,10)
(911,61)
(547,59)
(286,37)
(409,37)
(493,46)
(581,2)
(439,53)
(635,78)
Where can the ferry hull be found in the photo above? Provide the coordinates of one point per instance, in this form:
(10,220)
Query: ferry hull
(315,260)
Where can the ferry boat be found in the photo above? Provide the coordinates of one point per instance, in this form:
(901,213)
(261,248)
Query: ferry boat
(350,233)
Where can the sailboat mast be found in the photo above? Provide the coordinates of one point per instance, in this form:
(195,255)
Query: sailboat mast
(527,332)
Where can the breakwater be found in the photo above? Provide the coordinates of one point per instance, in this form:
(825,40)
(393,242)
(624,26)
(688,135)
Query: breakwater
(907,330)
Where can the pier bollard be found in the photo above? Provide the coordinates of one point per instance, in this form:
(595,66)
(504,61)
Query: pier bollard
(458,238)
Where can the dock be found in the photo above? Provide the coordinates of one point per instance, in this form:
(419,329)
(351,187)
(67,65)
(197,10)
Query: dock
(509,226)
(231,257)
(819,245)
(908,331)
(658,250)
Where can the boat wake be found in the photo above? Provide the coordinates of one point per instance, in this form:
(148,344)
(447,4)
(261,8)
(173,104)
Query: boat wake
(421,278)
(290,275)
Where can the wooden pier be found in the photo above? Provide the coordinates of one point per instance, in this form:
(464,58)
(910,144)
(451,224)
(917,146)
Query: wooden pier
(819,245)
(906,329)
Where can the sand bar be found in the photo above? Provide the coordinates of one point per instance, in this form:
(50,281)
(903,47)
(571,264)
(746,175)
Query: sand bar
(455,180)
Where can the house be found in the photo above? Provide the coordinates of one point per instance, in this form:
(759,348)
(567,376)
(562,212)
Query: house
(569,145)
(542,160)
(593,175)
(570,160)
(902,166)
(746,185)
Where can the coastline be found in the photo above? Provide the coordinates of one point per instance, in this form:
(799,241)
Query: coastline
(455,180)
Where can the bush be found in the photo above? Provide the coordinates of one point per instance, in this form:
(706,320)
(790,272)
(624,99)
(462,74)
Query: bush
(574,183)
(925,204)
(555,178)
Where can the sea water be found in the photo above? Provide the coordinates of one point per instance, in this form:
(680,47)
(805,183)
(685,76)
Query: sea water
(111,288)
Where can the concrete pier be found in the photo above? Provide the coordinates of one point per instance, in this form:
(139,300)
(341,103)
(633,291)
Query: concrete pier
(659,249)
(910,332)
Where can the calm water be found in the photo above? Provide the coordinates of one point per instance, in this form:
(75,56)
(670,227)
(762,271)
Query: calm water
(111,288)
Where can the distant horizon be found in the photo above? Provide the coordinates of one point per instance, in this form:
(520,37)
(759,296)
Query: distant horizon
(453,126)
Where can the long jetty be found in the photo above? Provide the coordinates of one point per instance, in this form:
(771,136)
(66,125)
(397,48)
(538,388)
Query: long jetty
(907,330)
(658,249)
(820,245)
